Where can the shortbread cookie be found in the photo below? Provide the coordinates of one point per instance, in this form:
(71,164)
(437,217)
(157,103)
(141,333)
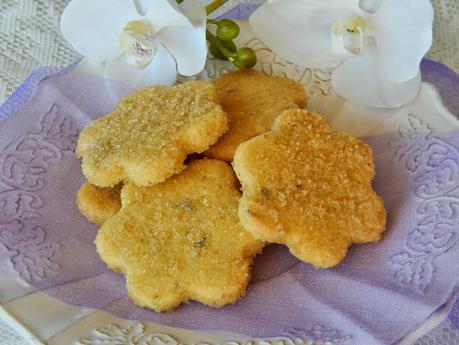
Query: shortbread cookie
(252,101)
(309,188)
(97,204)
(148,136)
(181,240)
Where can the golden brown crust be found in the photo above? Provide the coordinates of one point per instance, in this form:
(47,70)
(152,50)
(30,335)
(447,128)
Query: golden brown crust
(97,204)
(181,240)
(252,101)
(309,188)
(148,136)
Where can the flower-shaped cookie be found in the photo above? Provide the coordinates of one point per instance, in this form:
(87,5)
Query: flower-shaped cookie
(309,188)
(252,101)
(181,240)
(148,136)
(97,204)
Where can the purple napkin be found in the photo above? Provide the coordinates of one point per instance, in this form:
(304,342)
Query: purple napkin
(378,294)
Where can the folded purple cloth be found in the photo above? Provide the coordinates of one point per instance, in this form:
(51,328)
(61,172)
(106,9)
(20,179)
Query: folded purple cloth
(378,294)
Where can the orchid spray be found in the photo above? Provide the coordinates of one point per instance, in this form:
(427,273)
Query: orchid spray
(148,42)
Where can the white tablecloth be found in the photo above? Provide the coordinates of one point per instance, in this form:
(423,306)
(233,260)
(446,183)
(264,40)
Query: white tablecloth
(30,38)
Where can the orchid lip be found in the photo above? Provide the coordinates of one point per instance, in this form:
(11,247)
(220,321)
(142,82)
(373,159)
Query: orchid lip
(138,43)
(348,37)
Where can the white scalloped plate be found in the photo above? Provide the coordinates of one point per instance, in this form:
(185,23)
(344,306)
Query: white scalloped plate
(42,319)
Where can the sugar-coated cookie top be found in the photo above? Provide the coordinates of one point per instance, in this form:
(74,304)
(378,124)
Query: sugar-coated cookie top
(148,136)
(252,101)
(309,187)
(181,240)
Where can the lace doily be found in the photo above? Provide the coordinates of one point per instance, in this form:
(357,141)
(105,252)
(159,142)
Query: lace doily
(443,334)
(445,46)
(9,336)
(29,39)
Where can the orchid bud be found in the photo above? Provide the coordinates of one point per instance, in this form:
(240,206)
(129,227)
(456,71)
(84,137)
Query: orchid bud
(246,58)
(227,30)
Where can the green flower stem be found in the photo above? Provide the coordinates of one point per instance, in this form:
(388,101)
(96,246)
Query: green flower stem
(216,42)
(214,6)
(212,21)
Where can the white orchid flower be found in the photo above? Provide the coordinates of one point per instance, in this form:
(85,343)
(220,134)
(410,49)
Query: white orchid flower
(376,46)
(141,43)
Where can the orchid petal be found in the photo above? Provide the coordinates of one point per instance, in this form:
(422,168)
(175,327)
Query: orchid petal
(93,27)
(359,80)
(142,6)
(187,46)
(162,70)
(195,12)
(300,31)
(162,13)
(370,5)
(403,34)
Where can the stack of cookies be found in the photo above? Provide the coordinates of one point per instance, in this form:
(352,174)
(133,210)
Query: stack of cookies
(169,204)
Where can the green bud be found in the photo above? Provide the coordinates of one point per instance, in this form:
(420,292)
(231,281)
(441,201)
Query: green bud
(246,58)
(227,30)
